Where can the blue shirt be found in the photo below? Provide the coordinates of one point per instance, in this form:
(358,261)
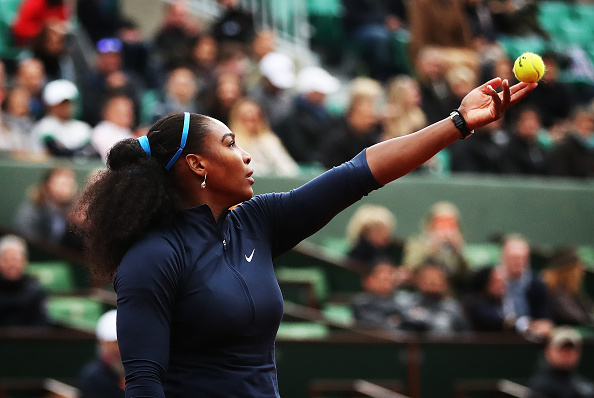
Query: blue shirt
(198,302)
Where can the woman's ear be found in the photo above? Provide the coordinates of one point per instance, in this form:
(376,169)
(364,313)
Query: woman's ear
(195,162)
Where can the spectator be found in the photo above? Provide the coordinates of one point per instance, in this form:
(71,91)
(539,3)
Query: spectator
(357,129)
(516,18)
(22,299)
(16,123)
(484,305)
(234,26)
(524,154)
(375,306)
(482,154)
(430,309)
(525,298)
(50,47)
(431,68)
(264,43)
(305,128)
(43,216)
(370,232)
(104,376)
(557,375)
(254,136)
(117,123)
(404,114)
(272,93)
(564,276)
(30,75)
(444,24)
(33,15)
(369,26)
(573,156)
(137,58)
(180,94)
(178,31)
(58,133)
(108,79)
(99,18)
(203,63)
(440,240)
(553,100)
(227,92)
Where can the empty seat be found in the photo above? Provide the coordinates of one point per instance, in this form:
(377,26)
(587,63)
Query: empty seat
(54,276)
(78,312)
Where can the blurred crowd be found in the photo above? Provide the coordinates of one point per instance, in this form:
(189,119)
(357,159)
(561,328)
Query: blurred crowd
(87,78)
(427,284)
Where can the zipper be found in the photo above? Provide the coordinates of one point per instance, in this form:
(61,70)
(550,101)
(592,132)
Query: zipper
(244,285)
(246,292)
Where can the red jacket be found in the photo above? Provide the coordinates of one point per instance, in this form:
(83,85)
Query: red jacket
(32,16)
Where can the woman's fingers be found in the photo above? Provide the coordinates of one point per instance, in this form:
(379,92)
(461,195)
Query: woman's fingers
(521,90)
(496,100)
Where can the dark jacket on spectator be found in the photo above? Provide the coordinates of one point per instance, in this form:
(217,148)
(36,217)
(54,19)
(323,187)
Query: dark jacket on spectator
(341,143)
(305,129)
(525,158)
(98,380)
(573,157)
(481,154)
(485,313)
(556,383)
(372,310)
(22,302)
(235,25)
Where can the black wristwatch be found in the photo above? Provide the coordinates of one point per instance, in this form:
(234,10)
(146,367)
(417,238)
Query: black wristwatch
(460,124)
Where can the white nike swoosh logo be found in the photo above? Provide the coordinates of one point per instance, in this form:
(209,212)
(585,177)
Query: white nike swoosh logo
(249,259)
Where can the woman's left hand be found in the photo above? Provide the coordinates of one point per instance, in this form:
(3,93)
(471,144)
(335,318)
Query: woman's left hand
(484,105)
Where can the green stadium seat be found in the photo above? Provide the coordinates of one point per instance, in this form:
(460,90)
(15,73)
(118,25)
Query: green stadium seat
(516,46)
(313,275)
(148,102)
(54,276)
(302,330)
(339,313)
(587,255)
(8,9)
(482,254)
(334,246)
(551,14)
(78,312)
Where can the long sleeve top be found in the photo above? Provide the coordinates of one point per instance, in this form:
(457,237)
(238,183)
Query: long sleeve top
(198,302)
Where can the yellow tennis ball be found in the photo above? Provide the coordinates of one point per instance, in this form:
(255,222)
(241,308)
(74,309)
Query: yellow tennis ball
(529,68)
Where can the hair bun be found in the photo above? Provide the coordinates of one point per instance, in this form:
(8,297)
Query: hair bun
(126,153)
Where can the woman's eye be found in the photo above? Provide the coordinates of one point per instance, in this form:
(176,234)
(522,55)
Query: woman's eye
(231,144)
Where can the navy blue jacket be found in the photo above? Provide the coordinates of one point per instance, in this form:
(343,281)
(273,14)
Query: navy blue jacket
(198,302)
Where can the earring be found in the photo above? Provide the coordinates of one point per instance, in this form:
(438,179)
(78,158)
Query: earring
(203,185)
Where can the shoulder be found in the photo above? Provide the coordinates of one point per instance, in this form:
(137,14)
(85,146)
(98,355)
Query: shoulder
(157,254)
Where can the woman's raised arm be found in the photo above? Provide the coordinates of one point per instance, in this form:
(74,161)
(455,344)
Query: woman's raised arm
(394,158)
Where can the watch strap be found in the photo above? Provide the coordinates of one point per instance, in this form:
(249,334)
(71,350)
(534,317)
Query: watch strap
(460,124)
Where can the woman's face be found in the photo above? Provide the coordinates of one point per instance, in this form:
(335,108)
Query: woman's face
(229,174)
(251,117)
(61,187)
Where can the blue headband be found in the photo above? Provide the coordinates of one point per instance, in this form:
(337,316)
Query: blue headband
(184,138)
(144,143)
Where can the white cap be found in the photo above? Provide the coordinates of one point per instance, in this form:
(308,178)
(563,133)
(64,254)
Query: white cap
(59,90)
(106,327)
(314,78)
(279,69)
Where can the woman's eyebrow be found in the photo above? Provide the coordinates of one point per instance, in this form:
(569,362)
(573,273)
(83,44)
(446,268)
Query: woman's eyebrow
(232,135)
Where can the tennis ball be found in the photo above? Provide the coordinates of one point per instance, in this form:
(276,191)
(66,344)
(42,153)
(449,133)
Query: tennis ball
(529,68)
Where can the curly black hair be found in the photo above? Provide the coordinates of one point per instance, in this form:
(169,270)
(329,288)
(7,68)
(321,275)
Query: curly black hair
(136,192)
